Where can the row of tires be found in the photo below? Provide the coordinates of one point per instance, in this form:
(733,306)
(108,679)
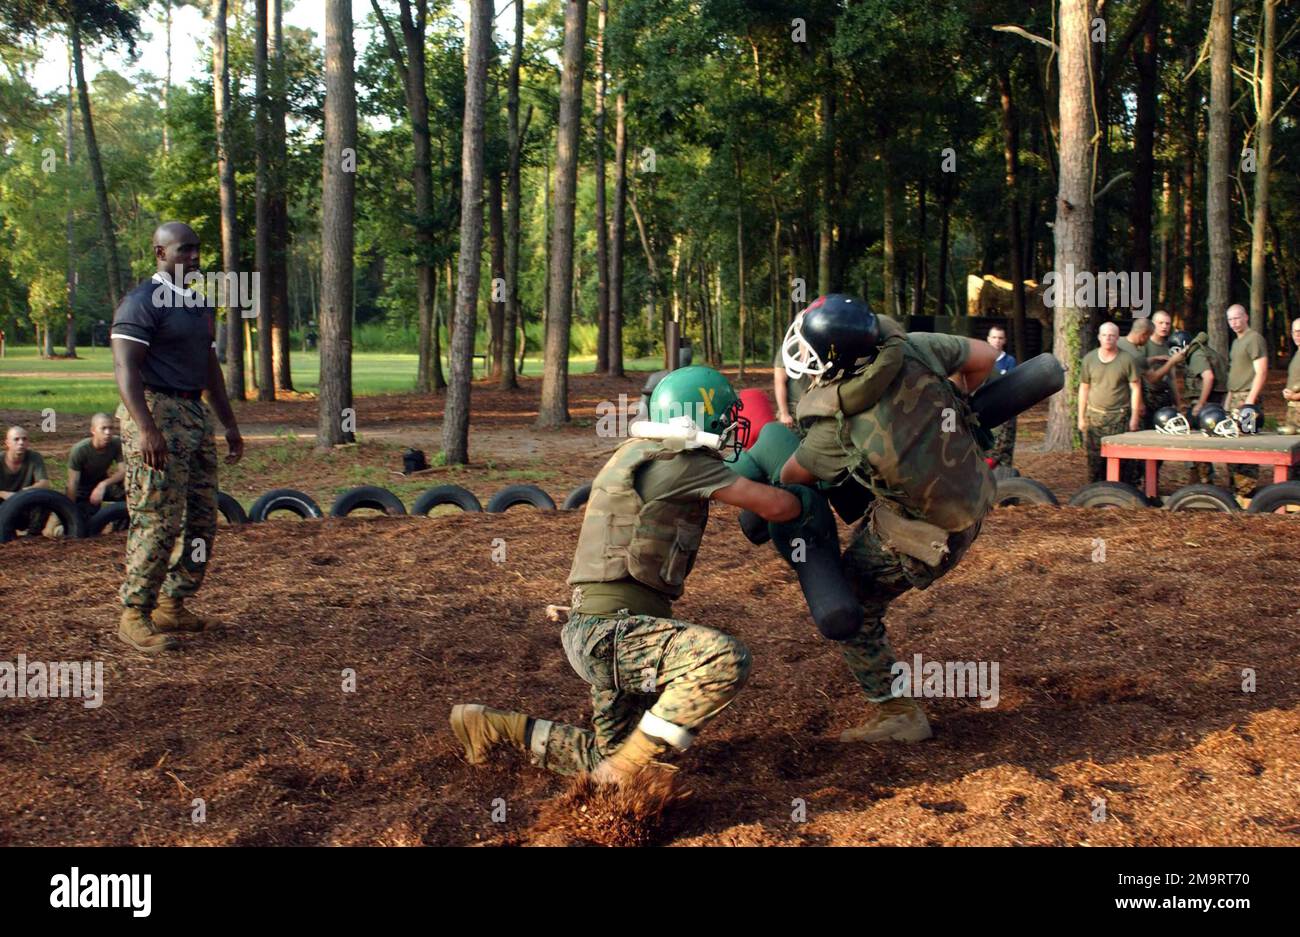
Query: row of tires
(113,516)
(1271,499)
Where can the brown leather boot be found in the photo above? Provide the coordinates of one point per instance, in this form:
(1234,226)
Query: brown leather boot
(637,753)
(480,728)
(138,631)
(172,615)
(900,719)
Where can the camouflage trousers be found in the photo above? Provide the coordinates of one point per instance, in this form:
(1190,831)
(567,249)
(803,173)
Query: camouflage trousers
(1004,443)
(174,509)
(878,576)
(684,674)
(1102,423)
(1292,419)
(1243,478)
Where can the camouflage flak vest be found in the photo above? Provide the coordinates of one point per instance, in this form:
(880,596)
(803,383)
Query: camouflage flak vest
(623,536)
(915,446)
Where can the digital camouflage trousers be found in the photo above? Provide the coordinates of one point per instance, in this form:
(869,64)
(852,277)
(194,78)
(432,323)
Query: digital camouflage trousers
(173,509)
(685,674)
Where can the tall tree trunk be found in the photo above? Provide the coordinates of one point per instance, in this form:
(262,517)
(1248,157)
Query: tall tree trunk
(602,229)
(226,177)
(517,135)
(825,209)
(617,237)
(1011,161)
(554,408)
(1166,209)
(1140,205)
(113,269)
(1073,228)
(648,249)
(68,229)
(338,194)
(741,311)
(918,292)
(496,307)
(265,267)
(455,422)
(412,69)
(279,205)
(887,305)
(167,81)
(944,223)
(1217,191)
(1263,165)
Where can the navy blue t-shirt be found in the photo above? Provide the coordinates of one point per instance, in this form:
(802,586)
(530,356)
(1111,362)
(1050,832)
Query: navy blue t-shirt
(1006,361)
(179,338)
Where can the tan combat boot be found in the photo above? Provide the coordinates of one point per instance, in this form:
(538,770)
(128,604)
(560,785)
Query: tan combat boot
(172,615)
(637,753)
(138,631)
(480,728)
(900,719)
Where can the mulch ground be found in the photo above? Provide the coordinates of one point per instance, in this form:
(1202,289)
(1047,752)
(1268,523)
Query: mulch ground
(1121,690)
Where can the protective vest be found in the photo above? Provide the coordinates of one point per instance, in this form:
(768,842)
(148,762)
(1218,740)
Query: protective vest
(654,543)
(916,446)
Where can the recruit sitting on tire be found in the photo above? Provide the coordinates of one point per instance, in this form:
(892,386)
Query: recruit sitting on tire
(655,680)
(889,412)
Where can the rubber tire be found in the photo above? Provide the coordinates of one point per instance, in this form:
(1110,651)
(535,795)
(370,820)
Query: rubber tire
(108,516)
(285,499)
(577,498)
(57,504)
(1202,498)
(1109,495)
(1016,391)
(1006,471)
(512,495)
(1270,498)
(367,496)
(1016,491)
(231,509)
(439,495)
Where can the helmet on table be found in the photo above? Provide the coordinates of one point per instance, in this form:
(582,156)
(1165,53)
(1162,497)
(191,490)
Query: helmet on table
(1250,418)
(1172,423)
(1214,421)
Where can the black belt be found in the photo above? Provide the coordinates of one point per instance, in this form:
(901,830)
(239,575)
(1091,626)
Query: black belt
(175,392)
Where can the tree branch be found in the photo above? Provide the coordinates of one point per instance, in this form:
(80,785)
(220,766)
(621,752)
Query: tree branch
(393,49)
(1028,35)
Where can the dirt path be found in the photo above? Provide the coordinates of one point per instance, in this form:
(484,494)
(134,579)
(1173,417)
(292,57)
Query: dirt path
(1121,689)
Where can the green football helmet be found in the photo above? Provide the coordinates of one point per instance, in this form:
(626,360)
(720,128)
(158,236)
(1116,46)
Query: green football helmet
(706,397)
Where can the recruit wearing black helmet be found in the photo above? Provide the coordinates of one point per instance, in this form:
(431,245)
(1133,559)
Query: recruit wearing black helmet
(836,336)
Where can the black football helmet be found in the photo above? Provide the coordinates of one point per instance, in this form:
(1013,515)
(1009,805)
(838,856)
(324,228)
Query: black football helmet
(1250,418)
(836,336)
(1214,421)
(1172,423)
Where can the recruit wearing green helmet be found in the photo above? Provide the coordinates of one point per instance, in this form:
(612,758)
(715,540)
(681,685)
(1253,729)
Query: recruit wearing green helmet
(705,396)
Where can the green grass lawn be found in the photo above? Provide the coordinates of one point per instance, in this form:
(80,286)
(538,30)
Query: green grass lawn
(65,392)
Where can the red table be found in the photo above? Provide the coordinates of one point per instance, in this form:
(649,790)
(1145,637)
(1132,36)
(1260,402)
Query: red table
(1153,447)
